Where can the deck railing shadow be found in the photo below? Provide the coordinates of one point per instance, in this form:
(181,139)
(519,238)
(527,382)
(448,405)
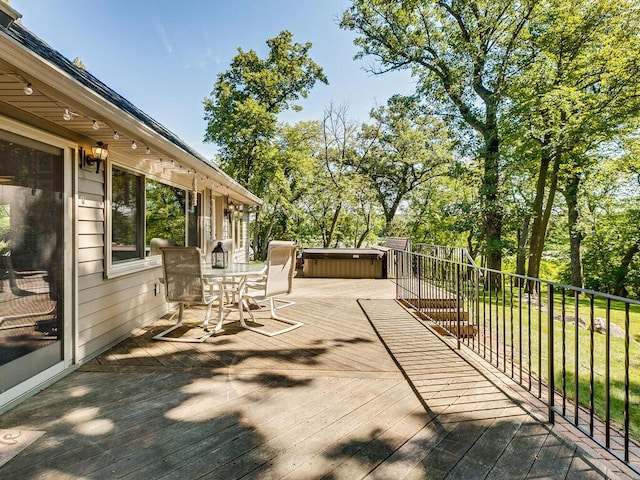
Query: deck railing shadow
(572,348)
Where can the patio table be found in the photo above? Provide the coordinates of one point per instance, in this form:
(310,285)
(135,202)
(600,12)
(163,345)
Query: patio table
(236,271)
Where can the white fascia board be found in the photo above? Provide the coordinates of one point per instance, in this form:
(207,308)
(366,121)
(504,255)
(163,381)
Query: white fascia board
(58,84)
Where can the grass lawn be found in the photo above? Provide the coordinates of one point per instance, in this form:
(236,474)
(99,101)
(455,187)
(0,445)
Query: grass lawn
(509,325)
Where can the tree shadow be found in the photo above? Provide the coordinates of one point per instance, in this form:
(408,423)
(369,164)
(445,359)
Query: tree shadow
(460,448)
(135,425)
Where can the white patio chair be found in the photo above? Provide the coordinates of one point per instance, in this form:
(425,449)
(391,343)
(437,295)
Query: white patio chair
(257,282)
(281,266)
(155,244)
(183,283)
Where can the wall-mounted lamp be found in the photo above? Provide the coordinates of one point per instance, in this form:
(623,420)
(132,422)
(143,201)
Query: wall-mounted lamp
(231,208)
(99,154)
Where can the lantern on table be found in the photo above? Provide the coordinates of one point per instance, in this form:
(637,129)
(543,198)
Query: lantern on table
(219,256)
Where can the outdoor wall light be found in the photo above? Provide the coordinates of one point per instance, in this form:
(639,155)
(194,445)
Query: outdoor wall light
(28,89)
(231,208)
(99,154)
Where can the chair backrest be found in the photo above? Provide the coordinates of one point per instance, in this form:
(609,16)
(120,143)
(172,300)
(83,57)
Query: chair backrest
(182,270)
(211,243)
(155,244)
(281,267)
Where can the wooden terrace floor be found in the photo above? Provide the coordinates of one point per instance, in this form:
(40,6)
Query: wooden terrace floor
(362,390)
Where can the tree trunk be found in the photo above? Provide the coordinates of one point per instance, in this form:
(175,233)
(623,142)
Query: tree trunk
(521,256)
(620,273)
(489,194)
(334,225)
(575,236)
(367,229)
(542,211)
(541,220)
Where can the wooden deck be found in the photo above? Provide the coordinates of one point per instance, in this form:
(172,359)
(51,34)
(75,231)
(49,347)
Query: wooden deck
(362,390)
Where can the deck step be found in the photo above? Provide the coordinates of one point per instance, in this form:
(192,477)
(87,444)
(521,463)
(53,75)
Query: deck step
(467,330)
(445,314)
(440,302)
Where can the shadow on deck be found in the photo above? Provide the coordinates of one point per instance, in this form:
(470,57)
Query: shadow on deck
(362,390)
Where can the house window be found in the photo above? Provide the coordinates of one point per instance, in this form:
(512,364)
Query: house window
(238,229)
(126,208)
(194,221)
(143,209)
(166,214)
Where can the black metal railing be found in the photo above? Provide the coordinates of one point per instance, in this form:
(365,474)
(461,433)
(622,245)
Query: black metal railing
(456,254)
(575,349)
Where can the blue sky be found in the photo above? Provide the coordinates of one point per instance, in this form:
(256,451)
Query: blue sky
(164,56)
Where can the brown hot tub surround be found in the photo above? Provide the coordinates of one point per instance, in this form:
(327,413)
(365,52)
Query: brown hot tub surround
(345,262)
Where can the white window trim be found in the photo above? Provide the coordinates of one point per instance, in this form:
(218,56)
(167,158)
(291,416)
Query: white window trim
(141,264)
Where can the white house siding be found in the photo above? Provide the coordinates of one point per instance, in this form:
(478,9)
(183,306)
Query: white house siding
(108,309)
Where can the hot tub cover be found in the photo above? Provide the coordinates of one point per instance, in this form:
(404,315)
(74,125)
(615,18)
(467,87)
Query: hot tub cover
(342,253)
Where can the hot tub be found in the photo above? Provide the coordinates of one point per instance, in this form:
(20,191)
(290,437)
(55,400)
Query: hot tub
(344,263)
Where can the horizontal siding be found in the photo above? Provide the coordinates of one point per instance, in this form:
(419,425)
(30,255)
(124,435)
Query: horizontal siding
(89,268)
(90,228)
(108,309)
(90,241)
(91,201)
(90,214)
(90,254)
(98,343)
(108,293)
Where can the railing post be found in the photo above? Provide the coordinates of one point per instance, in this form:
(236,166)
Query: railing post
(419,260)
(551,379)
(396,254)
(458,302)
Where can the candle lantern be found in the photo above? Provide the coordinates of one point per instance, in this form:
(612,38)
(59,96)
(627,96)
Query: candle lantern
(219,256)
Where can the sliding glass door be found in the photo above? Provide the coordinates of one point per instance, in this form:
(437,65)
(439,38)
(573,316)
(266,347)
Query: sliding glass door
(31,258)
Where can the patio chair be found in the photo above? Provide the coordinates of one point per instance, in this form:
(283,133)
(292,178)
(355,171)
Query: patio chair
(184,283)
(26,282)
(258,281)
(155,244)
(281,265)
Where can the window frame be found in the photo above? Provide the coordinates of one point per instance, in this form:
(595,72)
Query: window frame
(145,262)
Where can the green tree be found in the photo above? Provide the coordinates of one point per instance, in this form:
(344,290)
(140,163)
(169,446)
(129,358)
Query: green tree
(403,149)
(291,162)
(165,212)
(246,100)
(79,63)
(331,194)
(578,94)
(463,54)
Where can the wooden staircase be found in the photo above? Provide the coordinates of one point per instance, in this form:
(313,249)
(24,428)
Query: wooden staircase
(441,307)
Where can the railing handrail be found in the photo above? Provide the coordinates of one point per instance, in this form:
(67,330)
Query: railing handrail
(585,291)
(464,252)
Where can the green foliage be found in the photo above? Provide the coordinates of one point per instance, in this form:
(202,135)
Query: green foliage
(404,149)
(246,99)
(165,212)
(518,85)
(79,63)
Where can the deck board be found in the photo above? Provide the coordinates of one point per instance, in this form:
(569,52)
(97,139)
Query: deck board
(362,390)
